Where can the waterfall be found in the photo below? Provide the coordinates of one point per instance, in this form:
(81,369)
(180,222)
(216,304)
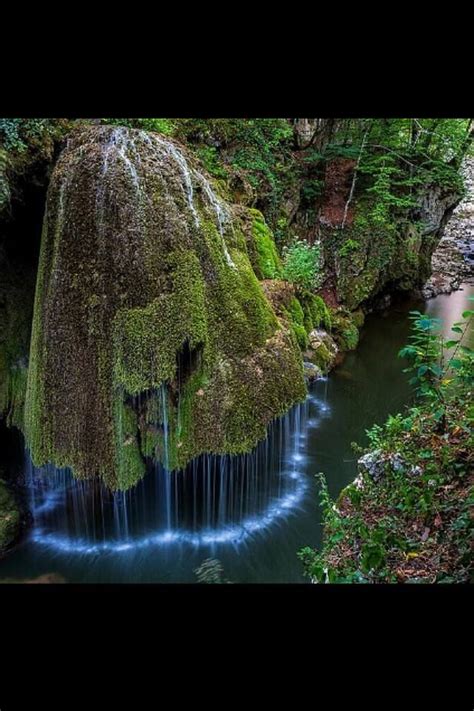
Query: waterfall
(215,500)
(180,160)
(221,214)
(119,142)
(122,141)
(164,407)
(166,473)
(188,175)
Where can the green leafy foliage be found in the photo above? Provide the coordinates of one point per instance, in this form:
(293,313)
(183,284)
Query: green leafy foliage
(26,144)
(19,135)
(439,366)
(413,523)
(302,264)
(349,246)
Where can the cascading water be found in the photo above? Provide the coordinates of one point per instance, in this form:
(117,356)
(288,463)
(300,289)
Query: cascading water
(252,524)
(215,500)
(121,144)
(149,256)
(188,176)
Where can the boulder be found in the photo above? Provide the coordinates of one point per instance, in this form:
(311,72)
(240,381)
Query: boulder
(146,296)
(322,349)
(311,371)
(375,463)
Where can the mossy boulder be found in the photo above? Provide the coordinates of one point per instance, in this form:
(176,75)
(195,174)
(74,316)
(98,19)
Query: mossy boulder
(322,349)
(9,518)
(345,330)
(152,336)
(311,371)
(300,309)
(295,315)
(316,312)
(358,318)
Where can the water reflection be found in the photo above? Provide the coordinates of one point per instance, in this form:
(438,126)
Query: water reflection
(449,308)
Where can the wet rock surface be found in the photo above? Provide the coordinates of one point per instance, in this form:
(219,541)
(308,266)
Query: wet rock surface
(322,350)
(146,296)
(453,260)
(311,371)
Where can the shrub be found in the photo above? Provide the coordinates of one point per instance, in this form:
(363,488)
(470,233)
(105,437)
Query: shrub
(302,264)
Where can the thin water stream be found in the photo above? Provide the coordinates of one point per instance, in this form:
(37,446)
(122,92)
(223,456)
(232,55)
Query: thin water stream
(253,512)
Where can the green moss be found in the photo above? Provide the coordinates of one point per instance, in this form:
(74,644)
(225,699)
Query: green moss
(267,264)
(296,318)
(147,339)
(345,331)
(373,252)
(37,425)
(9,517)
(301,336)
(129,465)
(304,314)
(350,338)
(165,334)
(16,395)
(358,318)
(322,357)
(296,312)
(315,312)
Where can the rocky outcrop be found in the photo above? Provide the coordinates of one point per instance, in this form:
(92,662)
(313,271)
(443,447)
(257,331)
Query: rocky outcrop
(152,336)
(376,462)
(322,349)
(453,260)
(313,131)
(369,250)
(368,260)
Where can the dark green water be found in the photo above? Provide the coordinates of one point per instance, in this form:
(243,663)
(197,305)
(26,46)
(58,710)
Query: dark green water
(367,387)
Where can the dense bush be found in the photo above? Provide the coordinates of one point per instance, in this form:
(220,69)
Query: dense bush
(302,264)
(18,135)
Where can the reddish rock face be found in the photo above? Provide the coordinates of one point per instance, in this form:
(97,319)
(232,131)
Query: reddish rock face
(337,186)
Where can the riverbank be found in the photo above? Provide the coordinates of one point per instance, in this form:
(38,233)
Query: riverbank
(410,525)
(407,517)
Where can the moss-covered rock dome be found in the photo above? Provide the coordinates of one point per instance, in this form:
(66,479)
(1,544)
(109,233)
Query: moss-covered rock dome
(152,336)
